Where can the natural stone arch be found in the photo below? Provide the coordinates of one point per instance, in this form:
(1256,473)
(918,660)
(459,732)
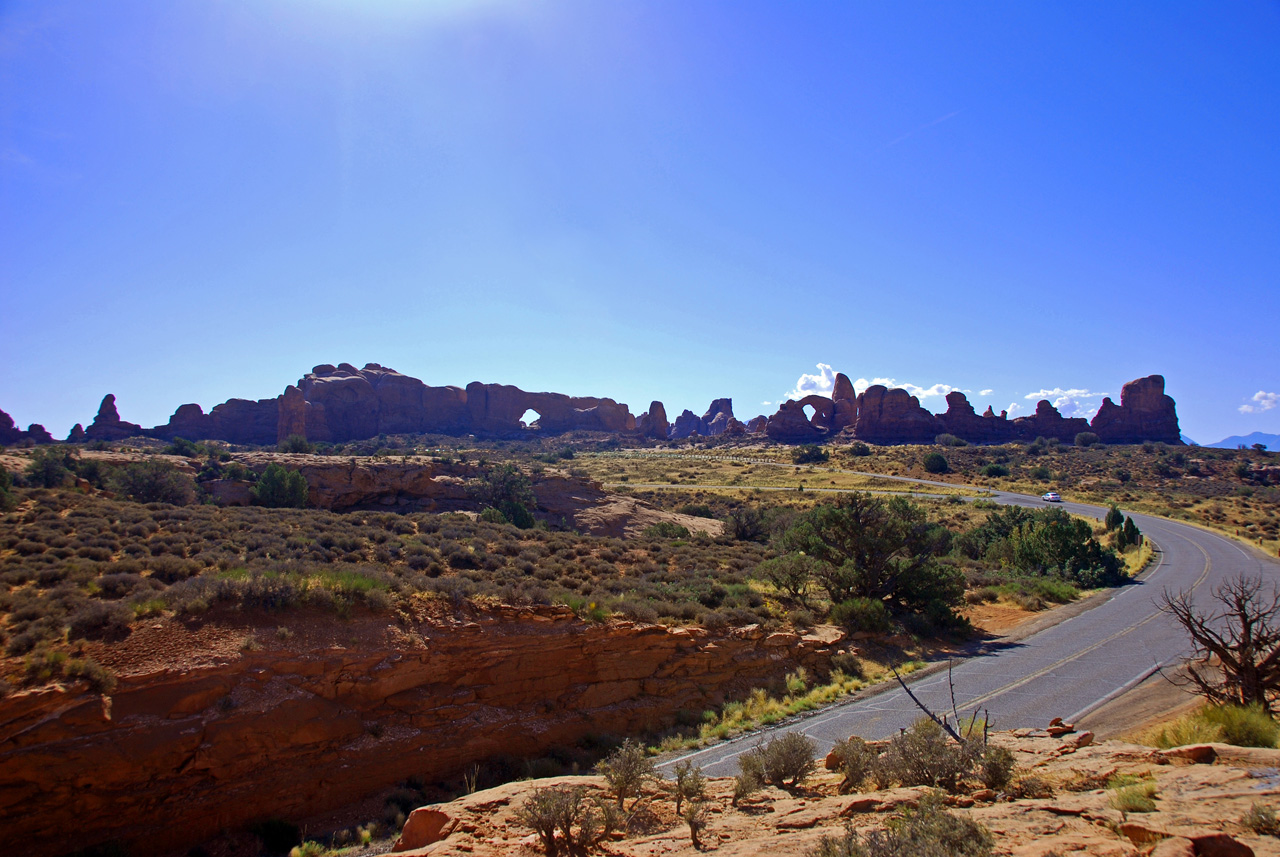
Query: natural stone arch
(530,419)
(823,410)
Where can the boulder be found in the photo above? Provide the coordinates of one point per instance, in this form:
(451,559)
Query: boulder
(735,428)
(424,826)
(1144,413)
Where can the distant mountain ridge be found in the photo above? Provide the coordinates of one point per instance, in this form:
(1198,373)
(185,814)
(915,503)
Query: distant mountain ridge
(1272,441)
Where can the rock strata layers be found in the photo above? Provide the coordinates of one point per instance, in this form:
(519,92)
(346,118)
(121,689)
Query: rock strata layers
(292,730)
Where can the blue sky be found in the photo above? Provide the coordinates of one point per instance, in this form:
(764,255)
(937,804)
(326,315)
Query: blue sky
(642,200)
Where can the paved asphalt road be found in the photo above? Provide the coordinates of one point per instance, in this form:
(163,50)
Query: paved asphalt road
(1063,671)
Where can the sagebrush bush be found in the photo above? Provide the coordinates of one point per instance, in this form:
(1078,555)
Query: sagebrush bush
(929,830)
(924,755)
(626,770)
(784,760)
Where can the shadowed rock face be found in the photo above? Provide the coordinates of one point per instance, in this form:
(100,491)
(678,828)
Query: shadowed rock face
(1144,413)
(881,415)
(80,769)
(342,403)
(11,434)
(653,423)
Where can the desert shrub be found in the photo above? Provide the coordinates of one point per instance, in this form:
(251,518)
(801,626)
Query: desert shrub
(1087,439)
(7,499)
(50,467)
(809,454)
(696,510)
(566,817)
(784,760)
(153,481)
(100,679)
(849,664)
(98,619)
(949,440)
(936,462)
(862,614)
(626,770)
(929,830)
(506,488)
(996,767)
(749,779)
(790,574)
(689,785)
(923,755)
(280,487)
(859,449)
(295,443)
(666,530)
(747,524)
(1040,473)
(1261,819)
(995,470)
(858,762)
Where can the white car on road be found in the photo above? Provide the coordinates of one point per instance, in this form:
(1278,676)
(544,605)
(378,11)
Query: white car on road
(1051,497)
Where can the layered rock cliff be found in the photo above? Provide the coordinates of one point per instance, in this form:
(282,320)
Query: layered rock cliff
(343,709)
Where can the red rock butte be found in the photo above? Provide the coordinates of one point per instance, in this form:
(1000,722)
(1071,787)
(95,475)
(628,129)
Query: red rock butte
(342,403)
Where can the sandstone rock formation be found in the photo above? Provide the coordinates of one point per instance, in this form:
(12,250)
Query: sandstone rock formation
(107,425)
(845,401)
(881,415)
(893,416)
(289,730)
(10,434)
(342,403)
(653,422)
(686,425)
(716,419)
(1196,815)
(791,425)
(1144,413)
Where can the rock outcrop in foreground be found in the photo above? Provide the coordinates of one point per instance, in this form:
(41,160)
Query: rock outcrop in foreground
(288,727)
(1198,810)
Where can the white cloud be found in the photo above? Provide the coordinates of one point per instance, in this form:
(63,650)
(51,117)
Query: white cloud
(914,389)
(820,384)
(1070,403)
(1013,409)
(985,392)
(1261,402)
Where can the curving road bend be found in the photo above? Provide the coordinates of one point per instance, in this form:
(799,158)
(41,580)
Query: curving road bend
(1064,671)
